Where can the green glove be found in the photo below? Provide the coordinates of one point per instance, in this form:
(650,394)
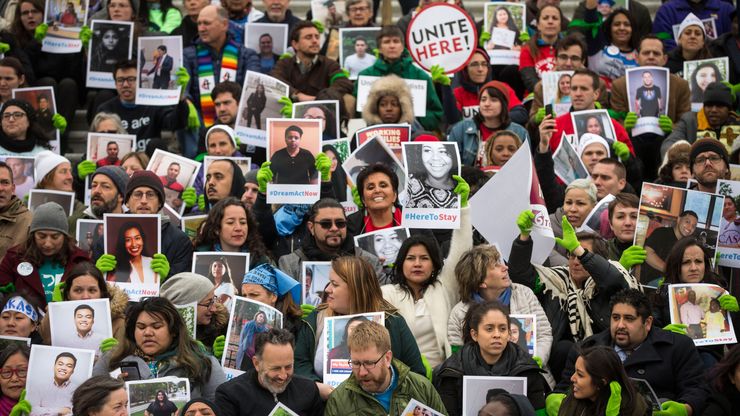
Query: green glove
(462,189)
(56,294)
(676,328)
(376,52)
(615,399)
(306,309)
(617,115)
(525,222)
(538,360)
(632,256)
(439,76)
(553,402)
(287,110)
(665,123)
(4,47)
(182,77)
(193,120)
(630,120)
(569,240)
(9,288)
(323,165)
(539,115)
(40,33)
(597,105)
(59,122)
(85,35)
(264,176)
(161,266)
(621,150)
(483,38)
(524,37)
(23,407)
(671,408)
(202,203)
(286,55)
(85,169)
(318,25)
(108,344)
(189,197)
(106,263)
(427,367)
(356,198)
(729,303)
(218,346)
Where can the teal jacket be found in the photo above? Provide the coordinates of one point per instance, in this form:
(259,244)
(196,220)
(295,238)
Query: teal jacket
(405,68)
(350,399)
(403,345)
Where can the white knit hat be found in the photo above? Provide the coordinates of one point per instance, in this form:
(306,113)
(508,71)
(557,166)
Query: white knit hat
(691,20)
(226,129)
(589,139)
(45,162)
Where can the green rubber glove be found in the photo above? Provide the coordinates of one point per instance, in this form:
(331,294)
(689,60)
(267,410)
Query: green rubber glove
(56,294)
(676,328)
(318,25)
(202,203)
(671,408)
(553,402)
(376,52)
(85,169)
(4,47)
(617,115)
(597,105)
(615,399)
(356,198)
(40,32)
(323,165)
(439,76)
(193,119)
(264,176)
(106,263)
(621,150)
(462,189)
(189,197)
(569,240)
(218,346)
(524,37)
(9,288)
(539,115)
(108,344)
(182,77)
(729,303)
(427,367)
(287,109)
(632,256)
(525,222)
(665,123)
(306,309)
(538,360)
(59,122)
(630,120)
(483,38)
(23,407)
(85,35)
(161,266)
(286,55)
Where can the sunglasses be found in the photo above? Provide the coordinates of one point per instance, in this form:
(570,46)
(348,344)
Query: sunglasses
(326,224)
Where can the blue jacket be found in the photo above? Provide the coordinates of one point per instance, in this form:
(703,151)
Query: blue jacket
(467,136)
(674,11)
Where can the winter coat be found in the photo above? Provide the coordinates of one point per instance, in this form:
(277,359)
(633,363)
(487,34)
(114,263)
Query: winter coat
(679,99)
(385,86)
(403,343)
(351,400)
(725,403)
(467,135)
(668,361)
(325,74)
(207,334)
(15,221)
(674,11)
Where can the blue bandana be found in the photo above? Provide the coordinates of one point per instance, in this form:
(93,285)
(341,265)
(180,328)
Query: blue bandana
(274,280)
(18,304)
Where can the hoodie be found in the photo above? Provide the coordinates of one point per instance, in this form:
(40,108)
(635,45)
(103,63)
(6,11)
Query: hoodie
(385,86)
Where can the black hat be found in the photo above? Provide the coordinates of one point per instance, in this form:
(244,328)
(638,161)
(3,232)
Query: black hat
(145,178)
(718,93)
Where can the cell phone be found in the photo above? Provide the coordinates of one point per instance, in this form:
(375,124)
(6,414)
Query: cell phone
(548,110)
(131,370)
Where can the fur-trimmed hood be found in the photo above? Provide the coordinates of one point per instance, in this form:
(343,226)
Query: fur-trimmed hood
(118,302)
(388,85)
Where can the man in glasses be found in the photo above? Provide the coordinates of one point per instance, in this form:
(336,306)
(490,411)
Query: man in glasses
(328,239)
(377,380)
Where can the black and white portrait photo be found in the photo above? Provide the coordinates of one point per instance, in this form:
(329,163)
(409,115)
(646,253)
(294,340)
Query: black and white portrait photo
(430,166)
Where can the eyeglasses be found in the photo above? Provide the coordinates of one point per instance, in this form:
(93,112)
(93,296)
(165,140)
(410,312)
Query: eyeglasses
(702,160)
(572,58)
(210,302)
(130,80)
(140,195)
(358,9)
(16,115)
(326,224)
(7,373)
(369,365)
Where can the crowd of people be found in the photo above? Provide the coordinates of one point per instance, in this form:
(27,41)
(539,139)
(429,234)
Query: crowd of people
(602,303)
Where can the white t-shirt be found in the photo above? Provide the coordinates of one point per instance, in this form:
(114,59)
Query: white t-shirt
(355,65)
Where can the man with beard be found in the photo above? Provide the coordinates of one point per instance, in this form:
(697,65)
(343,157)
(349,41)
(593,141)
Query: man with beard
(223,179)
(271,380)
(57,394)
(659,244)
(709,163)
(107,186)
(378,382)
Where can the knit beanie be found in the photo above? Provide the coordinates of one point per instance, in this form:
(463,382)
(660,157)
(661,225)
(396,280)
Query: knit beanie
(145,178)
(24,105)
(50,216)
(251,177)
(499,86)
(45,162)
(588,139)
(115,173)
(185,287)
(224,128)
(691,20)
(708,145)
(718,93)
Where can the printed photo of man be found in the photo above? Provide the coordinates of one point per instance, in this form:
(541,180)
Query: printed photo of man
(649,97)
(293,164)
(84,319)
(111,158)
(57,397)
(169,181)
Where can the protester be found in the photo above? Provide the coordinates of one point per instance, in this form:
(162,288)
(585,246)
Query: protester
(390,102)
(537,55)
(100,395)
(15,218)
(725,398)
(20,134)
(13,373)
(613,49)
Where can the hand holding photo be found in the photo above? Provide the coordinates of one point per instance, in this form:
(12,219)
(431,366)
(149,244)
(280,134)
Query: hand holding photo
(111,43)
(293,145)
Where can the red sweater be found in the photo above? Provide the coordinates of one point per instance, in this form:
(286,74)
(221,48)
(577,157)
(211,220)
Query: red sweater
(564,124)
(545,60)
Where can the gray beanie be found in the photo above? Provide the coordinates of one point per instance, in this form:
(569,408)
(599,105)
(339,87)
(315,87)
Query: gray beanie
(116,173)
(251,176)
(50,216)
(185,287)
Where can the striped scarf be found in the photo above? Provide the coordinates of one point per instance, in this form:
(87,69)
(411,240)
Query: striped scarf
(207,80)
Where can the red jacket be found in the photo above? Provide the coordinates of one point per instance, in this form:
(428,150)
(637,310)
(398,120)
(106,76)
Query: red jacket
(564,124)
(32,282)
